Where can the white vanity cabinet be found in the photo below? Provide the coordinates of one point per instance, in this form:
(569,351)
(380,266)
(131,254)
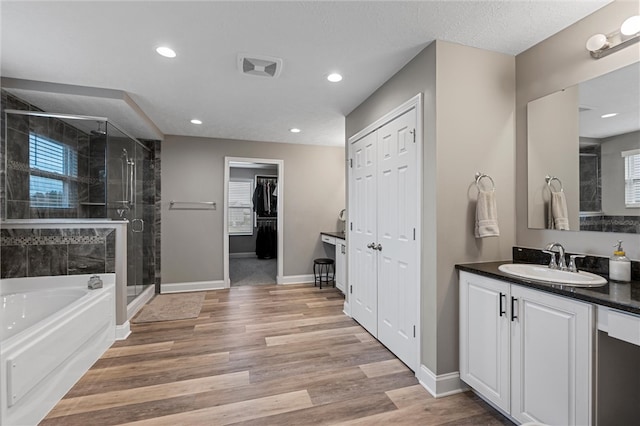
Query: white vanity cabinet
(527,351)
(341,265)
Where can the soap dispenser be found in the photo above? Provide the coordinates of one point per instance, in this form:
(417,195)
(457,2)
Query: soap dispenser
(619,265)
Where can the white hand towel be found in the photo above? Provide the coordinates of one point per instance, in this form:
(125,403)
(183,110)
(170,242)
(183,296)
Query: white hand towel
(486,215)
(559,211)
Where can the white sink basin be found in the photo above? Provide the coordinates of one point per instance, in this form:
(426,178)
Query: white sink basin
(555,276)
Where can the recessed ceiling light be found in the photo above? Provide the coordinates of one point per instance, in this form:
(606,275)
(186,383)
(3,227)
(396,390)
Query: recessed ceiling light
(196,121)
(334,77)
(294,130)
(613,114)
(165,51)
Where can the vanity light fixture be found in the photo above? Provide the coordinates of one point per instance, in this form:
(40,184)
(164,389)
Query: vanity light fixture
(294,130)
(601,45)
(612,114)
(334,77)
(165,51)
(196,121)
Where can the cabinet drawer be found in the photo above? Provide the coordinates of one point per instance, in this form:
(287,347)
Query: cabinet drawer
(329,240)
(622,326)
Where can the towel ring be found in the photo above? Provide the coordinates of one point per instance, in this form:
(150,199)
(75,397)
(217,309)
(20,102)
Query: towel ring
(480,176)
(550,179)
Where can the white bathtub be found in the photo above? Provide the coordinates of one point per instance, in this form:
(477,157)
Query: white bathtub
(52,329)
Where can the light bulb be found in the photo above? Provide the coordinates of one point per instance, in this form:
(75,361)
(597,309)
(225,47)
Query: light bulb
(631,26)
(597,42)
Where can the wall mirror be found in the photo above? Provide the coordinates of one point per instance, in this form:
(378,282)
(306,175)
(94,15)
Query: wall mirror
(583,155)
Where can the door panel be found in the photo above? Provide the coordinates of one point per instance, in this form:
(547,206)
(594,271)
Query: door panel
(484,337)
(364,299)
(551,360)
(397,266)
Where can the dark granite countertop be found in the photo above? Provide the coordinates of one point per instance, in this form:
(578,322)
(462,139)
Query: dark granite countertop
(336,234)
(625,297)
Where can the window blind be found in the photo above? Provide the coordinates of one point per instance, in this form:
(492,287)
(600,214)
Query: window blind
(632,178)
(53,172)
(240,210)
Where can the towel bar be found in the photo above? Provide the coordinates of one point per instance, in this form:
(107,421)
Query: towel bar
(550,179)
(192,205)
(480,176)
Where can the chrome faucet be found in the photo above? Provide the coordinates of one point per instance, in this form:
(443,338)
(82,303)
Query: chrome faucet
(561,265)
(94,282)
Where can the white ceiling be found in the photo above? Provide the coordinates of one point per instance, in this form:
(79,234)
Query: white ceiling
(615,92)
(112,45)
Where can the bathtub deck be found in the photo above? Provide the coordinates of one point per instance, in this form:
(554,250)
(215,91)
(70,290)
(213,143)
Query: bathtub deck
(280,355)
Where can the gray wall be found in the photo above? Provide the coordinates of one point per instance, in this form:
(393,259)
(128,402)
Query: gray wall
(193,170)
(468,127)
(613,173)
(556,63)
(553,152)
(247,243)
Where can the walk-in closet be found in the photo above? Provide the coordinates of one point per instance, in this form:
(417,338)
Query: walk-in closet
(253,223)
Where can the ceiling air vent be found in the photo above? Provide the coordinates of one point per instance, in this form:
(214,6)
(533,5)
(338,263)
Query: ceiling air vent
(264,66)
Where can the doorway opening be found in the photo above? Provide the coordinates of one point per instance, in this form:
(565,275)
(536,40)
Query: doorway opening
(253,221)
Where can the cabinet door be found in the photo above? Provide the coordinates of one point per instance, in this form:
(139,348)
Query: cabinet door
(484,337)
(551,358)
(397,251)
(341,254)
(363,215)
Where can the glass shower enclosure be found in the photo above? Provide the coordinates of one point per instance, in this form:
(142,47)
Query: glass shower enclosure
(77,167)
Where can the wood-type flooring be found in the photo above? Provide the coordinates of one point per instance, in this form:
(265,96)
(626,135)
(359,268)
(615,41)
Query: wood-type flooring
(259,355)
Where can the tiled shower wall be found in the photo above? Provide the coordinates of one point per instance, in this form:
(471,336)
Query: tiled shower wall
(47,252)
(88,185)
(91,189)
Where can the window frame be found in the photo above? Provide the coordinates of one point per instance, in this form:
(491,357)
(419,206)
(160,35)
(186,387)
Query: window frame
(249,205)
(631,182)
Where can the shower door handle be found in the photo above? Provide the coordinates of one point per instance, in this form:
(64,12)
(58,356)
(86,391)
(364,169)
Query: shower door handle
(137,225)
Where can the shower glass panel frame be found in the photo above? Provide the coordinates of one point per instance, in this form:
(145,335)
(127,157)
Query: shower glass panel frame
(75,166)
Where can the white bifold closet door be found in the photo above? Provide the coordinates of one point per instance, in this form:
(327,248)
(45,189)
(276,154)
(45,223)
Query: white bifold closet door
(383,247)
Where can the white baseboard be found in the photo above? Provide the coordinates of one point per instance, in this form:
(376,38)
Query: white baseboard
(295,279)
(191,286)
(123,331)
(137,303)
(440,385)
(346,309)
(242,255)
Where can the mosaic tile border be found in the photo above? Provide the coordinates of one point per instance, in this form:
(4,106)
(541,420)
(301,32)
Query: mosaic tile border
(51,240)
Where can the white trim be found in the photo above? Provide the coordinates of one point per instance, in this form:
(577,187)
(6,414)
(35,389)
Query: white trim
(191,286)
(347,308)
(414,102)
(123,331)
(137,303)
(440,385)
(226,282)
(630,153)
(295,279)
(242,255)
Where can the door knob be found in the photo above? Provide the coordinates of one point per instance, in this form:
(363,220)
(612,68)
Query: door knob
(379,247)
(371,246)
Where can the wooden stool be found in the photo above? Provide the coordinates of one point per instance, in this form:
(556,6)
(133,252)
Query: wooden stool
(323,266)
